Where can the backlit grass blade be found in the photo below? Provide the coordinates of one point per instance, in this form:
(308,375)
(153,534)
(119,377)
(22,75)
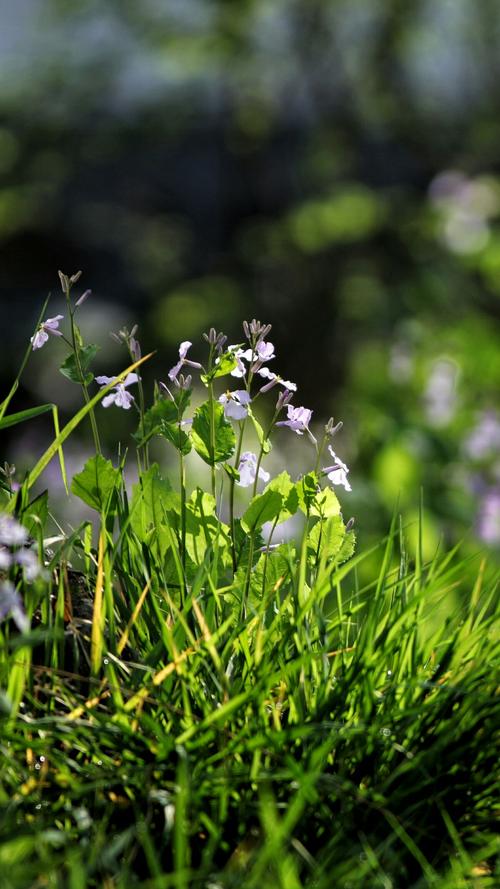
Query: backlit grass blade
(76,420)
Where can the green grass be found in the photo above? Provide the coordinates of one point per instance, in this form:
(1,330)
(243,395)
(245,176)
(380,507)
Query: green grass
(331,736)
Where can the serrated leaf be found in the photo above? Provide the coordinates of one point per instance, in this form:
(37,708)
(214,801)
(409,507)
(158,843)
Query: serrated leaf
(263,508)
(224,439)
(69,367)
(328,540)
(283,484)
(96,483)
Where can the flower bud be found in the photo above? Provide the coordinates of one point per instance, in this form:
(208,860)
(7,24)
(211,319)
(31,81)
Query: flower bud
(350,525)
(76,277)
(81,299)
(64,282)
(135,349)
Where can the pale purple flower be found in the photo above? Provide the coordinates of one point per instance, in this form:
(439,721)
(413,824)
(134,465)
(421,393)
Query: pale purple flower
(49,326)
(12,604)
(118,395)
(275,379)
(338,472)
(240,369)
(298,419)
(247,469)
(262,352)
(236,404)
(183,350)
(12,533)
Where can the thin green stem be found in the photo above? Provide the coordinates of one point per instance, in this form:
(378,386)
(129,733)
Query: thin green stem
(81,375)
(4,405)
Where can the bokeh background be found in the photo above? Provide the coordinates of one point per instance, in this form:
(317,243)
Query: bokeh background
(330,166)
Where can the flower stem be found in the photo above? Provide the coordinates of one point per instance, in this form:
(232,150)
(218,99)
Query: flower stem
(81,375)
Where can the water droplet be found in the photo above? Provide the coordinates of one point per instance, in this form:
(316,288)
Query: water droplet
(37,765)
(106,661)
(42,759)
(389,672)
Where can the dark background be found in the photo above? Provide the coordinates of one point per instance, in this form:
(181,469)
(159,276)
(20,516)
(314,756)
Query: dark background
(330,167)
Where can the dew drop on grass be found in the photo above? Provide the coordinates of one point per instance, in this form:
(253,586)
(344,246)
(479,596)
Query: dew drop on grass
(389,672)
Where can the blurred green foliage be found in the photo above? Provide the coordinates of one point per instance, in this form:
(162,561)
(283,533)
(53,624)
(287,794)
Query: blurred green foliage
(329,166)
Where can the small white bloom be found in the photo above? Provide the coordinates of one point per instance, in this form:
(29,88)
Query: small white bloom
(248,468)
(338,472)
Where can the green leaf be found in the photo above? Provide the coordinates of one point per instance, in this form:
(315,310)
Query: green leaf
(328,540)
(176,436)
(283,484)
(263,508)
(326,504)
(226,363)
(152,498)
(22,416)
(163,411)
(224,440)
(307,488)
(69,368)
(96,483)
(203,529)
(263,441)
(35,515)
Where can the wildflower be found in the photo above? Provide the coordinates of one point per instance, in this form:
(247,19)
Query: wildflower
(338,472)
(248,468)
(260,353)
(49,326)
(12,604)
(118,395)
(236,404)
(298,419)
(239,353)
(275,379)
(29,561)
(183,350)
(12,533)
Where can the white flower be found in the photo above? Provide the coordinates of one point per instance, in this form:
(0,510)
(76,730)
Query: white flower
(248,468)
(236,404)
(338,472)
(118,395)
(46,327)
